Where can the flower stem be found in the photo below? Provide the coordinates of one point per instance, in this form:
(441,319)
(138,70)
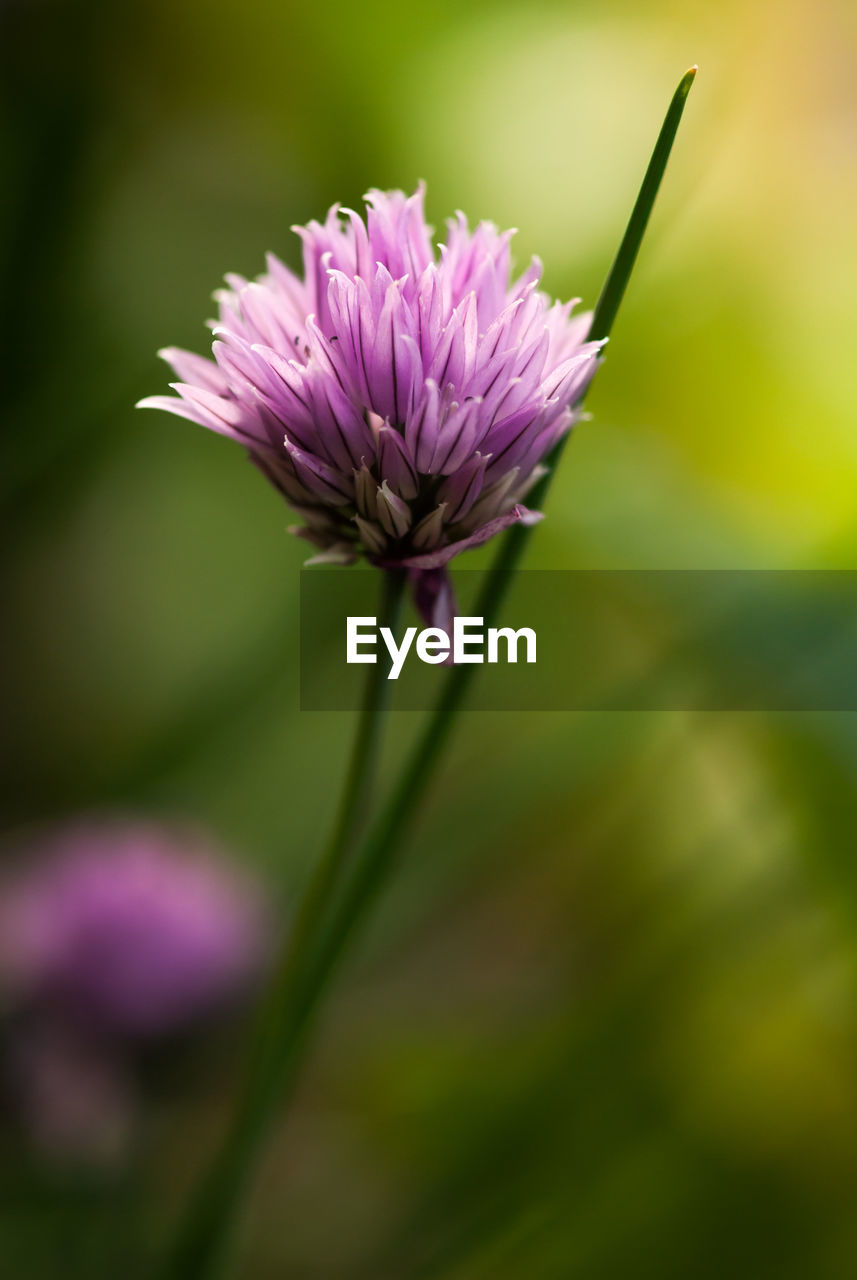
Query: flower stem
(613,291)
(205,1234)
(343,890)
(356,795)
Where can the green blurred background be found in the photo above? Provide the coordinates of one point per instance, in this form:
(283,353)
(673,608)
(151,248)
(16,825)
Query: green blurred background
(605,1022)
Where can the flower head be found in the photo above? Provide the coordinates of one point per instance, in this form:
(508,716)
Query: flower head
(114,935)
(127,930)
(401,403)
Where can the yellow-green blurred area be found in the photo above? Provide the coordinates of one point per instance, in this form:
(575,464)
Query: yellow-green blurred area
(605,1022)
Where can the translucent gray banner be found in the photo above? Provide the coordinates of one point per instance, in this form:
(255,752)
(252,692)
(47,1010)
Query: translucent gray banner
(739,640)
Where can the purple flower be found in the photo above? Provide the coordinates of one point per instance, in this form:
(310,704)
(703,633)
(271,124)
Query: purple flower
(401,403)
(127,930)
(113,935)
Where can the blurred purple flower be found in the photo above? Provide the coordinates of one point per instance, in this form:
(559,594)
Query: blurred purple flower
(402,404)
(128,929)
(114,935)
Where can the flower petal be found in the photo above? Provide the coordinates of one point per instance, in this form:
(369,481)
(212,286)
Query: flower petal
(443,555)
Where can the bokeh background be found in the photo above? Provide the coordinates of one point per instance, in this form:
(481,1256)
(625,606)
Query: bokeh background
(605,1021)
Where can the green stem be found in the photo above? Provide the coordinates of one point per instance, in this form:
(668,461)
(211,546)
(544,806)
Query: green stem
(351,890)
(202,1245)
(613,290)
(357,793)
